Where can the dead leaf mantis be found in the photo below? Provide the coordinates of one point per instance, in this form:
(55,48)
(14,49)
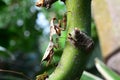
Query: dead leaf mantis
(54,30)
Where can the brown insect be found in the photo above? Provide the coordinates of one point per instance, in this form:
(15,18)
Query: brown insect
(64,21)
(49,53)
(81,40)
(45,3)
(58,28)
(54,29)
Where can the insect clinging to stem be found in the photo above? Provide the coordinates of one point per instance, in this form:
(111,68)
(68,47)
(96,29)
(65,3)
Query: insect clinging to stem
(64,20)
(80,40)
(45,3)
(55,29)
(49,53)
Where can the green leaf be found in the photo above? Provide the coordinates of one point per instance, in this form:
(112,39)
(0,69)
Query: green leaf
(89,76)
(107,73)
(95,53)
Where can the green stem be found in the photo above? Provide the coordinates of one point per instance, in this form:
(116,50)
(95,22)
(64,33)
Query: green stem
(80,14)
(73,61)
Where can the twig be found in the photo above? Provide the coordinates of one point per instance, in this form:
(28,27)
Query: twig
(15,72)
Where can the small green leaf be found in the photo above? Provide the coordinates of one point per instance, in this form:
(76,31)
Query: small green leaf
(89,76)
(107,73)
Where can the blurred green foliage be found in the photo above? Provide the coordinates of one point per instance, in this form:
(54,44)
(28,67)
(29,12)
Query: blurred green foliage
(18,34)
(23,36)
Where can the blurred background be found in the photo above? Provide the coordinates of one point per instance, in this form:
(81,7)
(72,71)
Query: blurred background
(24,36)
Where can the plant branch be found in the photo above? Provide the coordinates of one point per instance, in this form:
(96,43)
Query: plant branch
(15,72)
(73,60)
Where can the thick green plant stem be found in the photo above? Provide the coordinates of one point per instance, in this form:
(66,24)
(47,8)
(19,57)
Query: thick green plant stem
(73,61)
(80,14)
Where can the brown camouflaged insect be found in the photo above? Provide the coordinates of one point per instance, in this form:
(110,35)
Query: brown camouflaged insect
(48,53)
(81,40)
(45,3)
(54,30)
